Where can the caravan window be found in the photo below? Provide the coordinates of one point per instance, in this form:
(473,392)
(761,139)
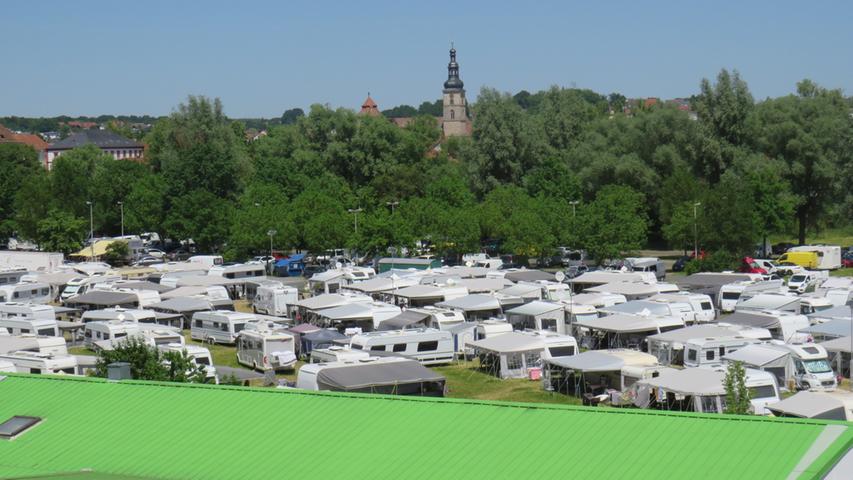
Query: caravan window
(35,370)
(120,335)
(355,346)
(238,327)
(427,346)
(691,355)
(16,295)
(198,324)
(762,391)
(47,331)
(399,347)
(549,324)
(202,360)
(706,306)
(727,296)
(377,348)
(709,355)
(562,351)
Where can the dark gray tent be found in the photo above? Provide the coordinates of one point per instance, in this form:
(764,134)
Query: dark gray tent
(184,306)
(751,320)
(319,339)
(529,276)
(140,285)
(406,319)
(810,405)
(396,377)
(103,299)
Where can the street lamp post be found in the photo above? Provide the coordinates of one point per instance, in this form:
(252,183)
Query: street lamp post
(91,228)
(355,211)
(695,232)
(271,233)
(121,207)
(574,203)
(392,205)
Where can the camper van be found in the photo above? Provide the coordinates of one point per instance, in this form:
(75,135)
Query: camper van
(701,352)
(800,282)
(33,343)
(241,270)
(219,326)
(730,293)
(206,261)
(426,345)
(21,318)
(648,264)
(200,356)
(811,367)
(827,257)
(108,332)
(27,292)
(41,363)
(274,299)
(80,285)
(337,353)
(264,348)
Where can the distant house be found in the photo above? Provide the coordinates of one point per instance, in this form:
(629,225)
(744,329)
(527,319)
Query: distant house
(370,108)
(119,147)
(31,139)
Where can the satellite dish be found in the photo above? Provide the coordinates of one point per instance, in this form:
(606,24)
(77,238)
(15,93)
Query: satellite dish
(338,265)
(559,276)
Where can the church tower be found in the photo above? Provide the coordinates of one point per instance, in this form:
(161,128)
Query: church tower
(455,117)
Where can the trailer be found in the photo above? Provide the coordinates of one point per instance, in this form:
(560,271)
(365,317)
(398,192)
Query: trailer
(263,348)
(428,346)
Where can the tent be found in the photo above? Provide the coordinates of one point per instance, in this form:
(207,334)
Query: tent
(183,306)
(318,339)
(839,353)
(631,290)
(510,355)
(407,318)
(769,301)
(754,320)
(841,312)
(600,277)
(621,330)
(766,357)
(102,299)
(98,250)
(526,291)
(379,285)
(525,275)
(808,404)
(575,375)
(474,303)
(329,300)
(829,330)
(638,307)
(144,285)
(392,376)
(297,331)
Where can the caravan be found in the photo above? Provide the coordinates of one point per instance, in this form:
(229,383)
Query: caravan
(693,307)
(80,285)
(701,352)
(220,326)
(426,345)
(41,363)
(20,318)
(274,299)
(104,333)
(33,343)
(263,348)
(199,356)
(26,292)
(240,270)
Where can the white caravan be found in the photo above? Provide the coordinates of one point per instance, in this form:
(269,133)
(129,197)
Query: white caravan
(556,345)
(13,275)
(490,328)
(440,318)
(264,348)
(119,314)
(41,363)
(426,345)
(26,292)
(27,318)
(701,352)
(810,304)
(33,343)
(828,256)
(80,285)
(337,353)
(220,326)
(812,370)
(730,293)
(275,299)
(108,332)
(694,307)
(199,356)
(241,270)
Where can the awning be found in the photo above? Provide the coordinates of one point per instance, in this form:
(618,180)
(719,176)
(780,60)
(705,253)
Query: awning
(525,275)
(627,323)
(104,298)
(629,289)
(366,375)
(376,285)
(535,308)
(523,290)
(768,301)
(99,249)
(690,381)
(758,354)
(330,300)
(509,342)
(638,307)
(208,280)
(705,280)
(303,328)
(473,302)
(604,360)
(482,285)
(751,320)
(159,288)
(324,335)
(607,276)
(695,331)
(833,328)
(810,405)
(420,291)
(183,304)
(403,320)
(841,344)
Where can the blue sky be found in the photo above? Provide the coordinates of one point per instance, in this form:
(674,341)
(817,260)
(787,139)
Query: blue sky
(260,58)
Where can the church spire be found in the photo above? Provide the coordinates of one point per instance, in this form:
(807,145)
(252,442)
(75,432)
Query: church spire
(453,81)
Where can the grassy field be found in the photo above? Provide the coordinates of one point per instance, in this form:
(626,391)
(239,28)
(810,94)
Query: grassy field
(464,380)
(842,237)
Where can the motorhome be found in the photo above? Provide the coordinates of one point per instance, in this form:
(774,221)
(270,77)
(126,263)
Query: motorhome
(700,352)
(35,318)
(27,292)
(207,261)
(699,304)
(388,375)
(828,257)
(647,264)
(730,293)
(240,270)
(275,299)
(337,353)
(220,326)
(264,348)
(798,366)
(108,332)
(33,343)
(80,285)
(429,346)
(41,363)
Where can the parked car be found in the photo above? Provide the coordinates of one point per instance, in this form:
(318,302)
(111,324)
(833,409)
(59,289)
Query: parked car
(554,260)
(514,261)
(310,270)
(153,252)
(679,264)
(146,261)
(788,268)
(576,270)
(847,259)
(749,265)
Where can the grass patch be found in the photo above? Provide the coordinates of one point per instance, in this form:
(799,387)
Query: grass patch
(842,272)
(81,351)
(464,380)
(225,355)
(838,236)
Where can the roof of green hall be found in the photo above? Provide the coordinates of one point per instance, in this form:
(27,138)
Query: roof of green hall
(160,430)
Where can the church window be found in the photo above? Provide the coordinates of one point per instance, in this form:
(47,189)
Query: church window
(452,114)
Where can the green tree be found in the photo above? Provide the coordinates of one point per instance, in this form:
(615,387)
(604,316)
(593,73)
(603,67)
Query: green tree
(33,200)
(260,208)
(71,178)
(149,363)
(145,205)
(201,216)
(118,253)
(61,232)
(291,116)
(613,224)
(17,163)
(737,394)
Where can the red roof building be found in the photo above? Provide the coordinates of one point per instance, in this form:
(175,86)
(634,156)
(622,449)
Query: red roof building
(369,107)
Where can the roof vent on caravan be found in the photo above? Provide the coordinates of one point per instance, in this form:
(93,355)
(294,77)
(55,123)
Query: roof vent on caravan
(15,426)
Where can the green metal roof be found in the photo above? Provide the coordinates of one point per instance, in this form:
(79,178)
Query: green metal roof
(158,430)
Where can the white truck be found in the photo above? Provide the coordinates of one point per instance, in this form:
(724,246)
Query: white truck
(263,348)
(275,299)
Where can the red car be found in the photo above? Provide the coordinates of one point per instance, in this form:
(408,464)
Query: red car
(748,265)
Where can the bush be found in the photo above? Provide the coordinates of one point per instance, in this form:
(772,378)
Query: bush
(148,363)
(117,253)
(715,262)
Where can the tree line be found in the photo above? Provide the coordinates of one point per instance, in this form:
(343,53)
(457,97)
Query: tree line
(558,167)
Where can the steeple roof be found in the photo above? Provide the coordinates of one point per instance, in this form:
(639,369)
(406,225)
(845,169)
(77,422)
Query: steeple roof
(369,107)
(453,81)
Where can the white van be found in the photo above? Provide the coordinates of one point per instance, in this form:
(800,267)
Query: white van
(691,307)
(200,356)
(21,318)
(26,292)
(800,282)
(220,326)
(241,270)
(700,352)
(206,260)
(80,285)
(108,331)
(41,363)
(274,299)
(428,346)
(811,367)
(263,348)
(730,293)
(33,343)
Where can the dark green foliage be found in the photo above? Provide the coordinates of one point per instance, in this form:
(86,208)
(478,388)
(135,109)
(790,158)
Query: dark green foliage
(60,231)
(117,254)
(737,394)
(714,262)
(149,363)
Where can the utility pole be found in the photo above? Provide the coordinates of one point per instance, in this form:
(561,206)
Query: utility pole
(695,232)
(392,205)
(271,233)
(121,206)
(91,229)
(574,204)
(355,211)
